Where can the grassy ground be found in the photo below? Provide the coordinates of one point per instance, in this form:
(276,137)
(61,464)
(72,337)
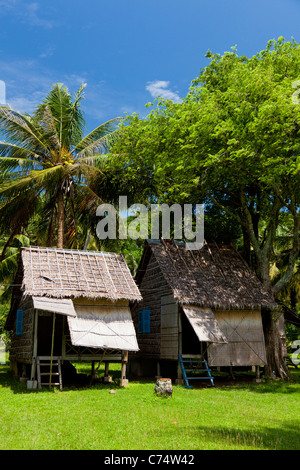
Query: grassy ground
(236,416)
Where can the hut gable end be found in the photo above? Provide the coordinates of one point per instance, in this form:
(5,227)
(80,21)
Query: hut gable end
(153,287)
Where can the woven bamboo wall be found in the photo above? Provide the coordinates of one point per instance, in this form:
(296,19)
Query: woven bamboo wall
(21,349)
(169,328)
(244,332)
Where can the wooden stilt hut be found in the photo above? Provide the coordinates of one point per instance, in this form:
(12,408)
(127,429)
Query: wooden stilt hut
(197,304)
(67,306)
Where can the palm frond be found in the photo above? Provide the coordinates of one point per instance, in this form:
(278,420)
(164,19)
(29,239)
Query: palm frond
(21,129)
(69,121)
(47,121)
(96,141)
(84,170)
(8,164)
(46,152)
(8,266)
(15,151)
(35,179)
(98,161)
(16,212)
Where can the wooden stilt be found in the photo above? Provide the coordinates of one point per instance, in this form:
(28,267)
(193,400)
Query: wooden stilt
(93,370)
(257,379)
(107,378)
(33,363)
(158,370)
(123,380)
(52,347)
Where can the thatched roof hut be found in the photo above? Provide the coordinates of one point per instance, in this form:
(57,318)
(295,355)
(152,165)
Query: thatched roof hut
(92,290)
(201,300)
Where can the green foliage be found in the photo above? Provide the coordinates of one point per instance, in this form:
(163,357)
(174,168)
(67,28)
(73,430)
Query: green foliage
(8,268)
(220,227)
(233,141)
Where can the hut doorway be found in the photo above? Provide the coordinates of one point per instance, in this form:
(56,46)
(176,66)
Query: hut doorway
(190,341)
(45,325)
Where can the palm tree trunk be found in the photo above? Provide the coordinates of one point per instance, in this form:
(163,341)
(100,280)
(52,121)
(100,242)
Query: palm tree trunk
(60,218)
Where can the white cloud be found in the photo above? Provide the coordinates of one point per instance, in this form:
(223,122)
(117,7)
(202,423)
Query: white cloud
(6,5)
(26,83)
(31,12)
(2,93)
(26,12)
(47,52)
(24,104)
(161,88)
(29,81)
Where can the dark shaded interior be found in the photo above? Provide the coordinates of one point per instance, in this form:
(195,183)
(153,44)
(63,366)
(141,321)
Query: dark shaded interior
(190,341)
(45,328)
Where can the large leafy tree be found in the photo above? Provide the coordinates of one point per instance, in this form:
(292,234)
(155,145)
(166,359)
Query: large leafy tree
(234,141)
(48,168)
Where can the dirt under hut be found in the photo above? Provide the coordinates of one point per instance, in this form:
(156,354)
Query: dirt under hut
(69,306)
(197,304)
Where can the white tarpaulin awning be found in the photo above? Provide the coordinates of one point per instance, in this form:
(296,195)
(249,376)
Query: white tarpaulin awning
(62,306)
(204,324)
(100,326)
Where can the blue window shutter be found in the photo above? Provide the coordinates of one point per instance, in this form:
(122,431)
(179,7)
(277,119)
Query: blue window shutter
(144,321)
(146,326)
(19,323)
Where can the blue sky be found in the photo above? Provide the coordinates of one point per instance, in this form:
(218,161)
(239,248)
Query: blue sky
(127,51)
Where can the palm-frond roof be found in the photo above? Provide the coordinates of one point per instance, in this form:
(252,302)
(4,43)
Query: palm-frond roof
(214,276)
(62,273)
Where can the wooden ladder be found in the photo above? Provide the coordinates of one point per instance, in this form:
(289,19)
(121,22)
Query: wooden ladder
(45,361)
(195,365)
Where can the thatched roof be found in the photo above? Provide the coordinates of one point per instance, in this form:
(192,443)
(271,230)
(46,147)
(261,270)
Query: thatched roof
(215,277)
(61,273)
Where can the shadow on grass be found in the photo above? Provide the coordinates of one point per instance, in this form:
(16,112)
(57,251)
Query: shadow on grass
(285,437)
(8,380)
(242,382)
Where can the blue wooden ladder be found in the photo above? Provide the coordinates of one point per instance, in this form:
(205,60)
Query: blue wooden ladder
(195,365)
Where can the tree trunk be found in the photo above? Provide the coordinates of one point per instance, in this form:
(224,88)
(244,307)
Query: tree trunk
(60,218)
(246,247)
(276,363)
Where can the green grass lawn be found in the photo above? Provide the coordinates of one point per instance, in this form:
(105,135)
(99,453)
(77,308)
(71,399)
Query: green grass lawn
(240,416)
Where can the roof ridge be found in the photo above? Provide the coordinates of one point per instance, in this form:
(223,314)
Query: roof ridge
(69,250)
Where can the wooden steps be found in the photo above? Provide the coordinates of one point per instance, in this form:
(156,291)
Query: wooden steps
(192,364)
(53,371)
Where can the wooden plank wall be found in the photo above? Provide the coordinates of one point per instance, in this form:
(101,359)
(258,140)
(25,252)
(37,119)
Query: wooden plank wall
(169,328)
(21,348)
(244,331)
(152,287)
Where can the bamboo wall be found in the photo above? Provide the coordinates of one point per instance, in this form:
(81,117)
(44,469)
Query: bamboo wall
(244,332)
(21,348)
(169,328)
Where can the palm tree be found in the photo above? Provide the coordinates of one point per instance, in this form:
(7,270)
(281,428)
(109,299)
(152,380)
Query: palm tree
(46,158)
